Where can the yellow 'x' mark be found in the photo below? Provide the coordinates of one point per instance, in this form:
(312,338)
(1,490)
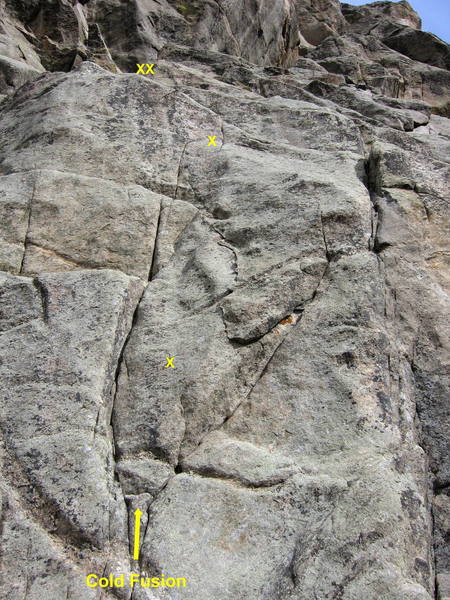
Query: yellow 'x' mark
(149,69)
(212,140)
(170,360)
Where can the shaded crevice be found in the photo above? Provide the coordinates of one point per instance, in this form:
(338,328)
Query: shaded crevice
(441,486)
(435,486)
(97,421)
(135,502)
(155,244)
(120,363)
(222,130)
(211,473)
(374,187)
(43,293)
(292,573)
(143,558)
(370,168)
(27,233)
(67,259)
(226,244)
(327,253)
(371,184)
(97,46)
(373,225)
(433,528)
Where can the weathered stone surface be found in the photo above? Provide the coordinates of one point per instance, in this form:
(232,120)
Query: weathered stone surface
(142,476)
(421,46)
(246,341)
(223,457)
(33,563)
(376,16)
(380,60)
(67,408)
(279,34)
(13,74)
(64,222)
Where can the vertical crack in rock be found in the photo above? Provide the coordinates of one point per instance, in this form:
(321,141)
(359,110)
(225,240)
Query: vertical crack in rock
(431,491)
(371,186)
(436,583)
(179,170)
(120,362)
(226,244)
(375,191)
(327,253)
(155,245)
(27,233)
(43,293)
(222,130)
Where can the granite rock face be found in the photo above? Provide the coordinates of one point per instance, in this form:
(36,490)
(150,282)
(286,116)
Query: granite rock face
(224,299)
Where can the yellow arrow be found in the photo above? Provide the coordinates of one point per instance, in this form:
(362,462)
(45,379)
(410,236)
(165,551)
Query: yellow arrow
(137,533)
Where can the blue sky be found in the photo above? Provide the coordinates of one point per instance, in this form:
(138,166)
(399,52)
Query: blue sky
(435,15)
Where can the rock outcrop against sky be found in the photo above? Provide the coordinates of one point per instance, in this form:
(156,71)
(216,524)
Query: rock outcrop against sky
(224,301)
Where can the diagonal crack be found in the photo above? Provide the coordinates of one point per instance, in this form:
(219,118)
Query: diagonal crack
(298,312)
(269,361)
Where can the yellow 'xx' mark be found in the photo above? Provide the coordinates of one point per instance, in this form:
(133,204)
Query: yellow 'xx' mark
(170,360)
(149,69)
(212,139)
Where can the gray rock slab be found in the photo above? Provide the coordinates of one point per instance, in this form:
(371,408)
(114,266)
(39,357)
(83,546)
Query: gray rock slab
(221,456)
(142,476)
(61,439)
(82,222)
(14,74)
